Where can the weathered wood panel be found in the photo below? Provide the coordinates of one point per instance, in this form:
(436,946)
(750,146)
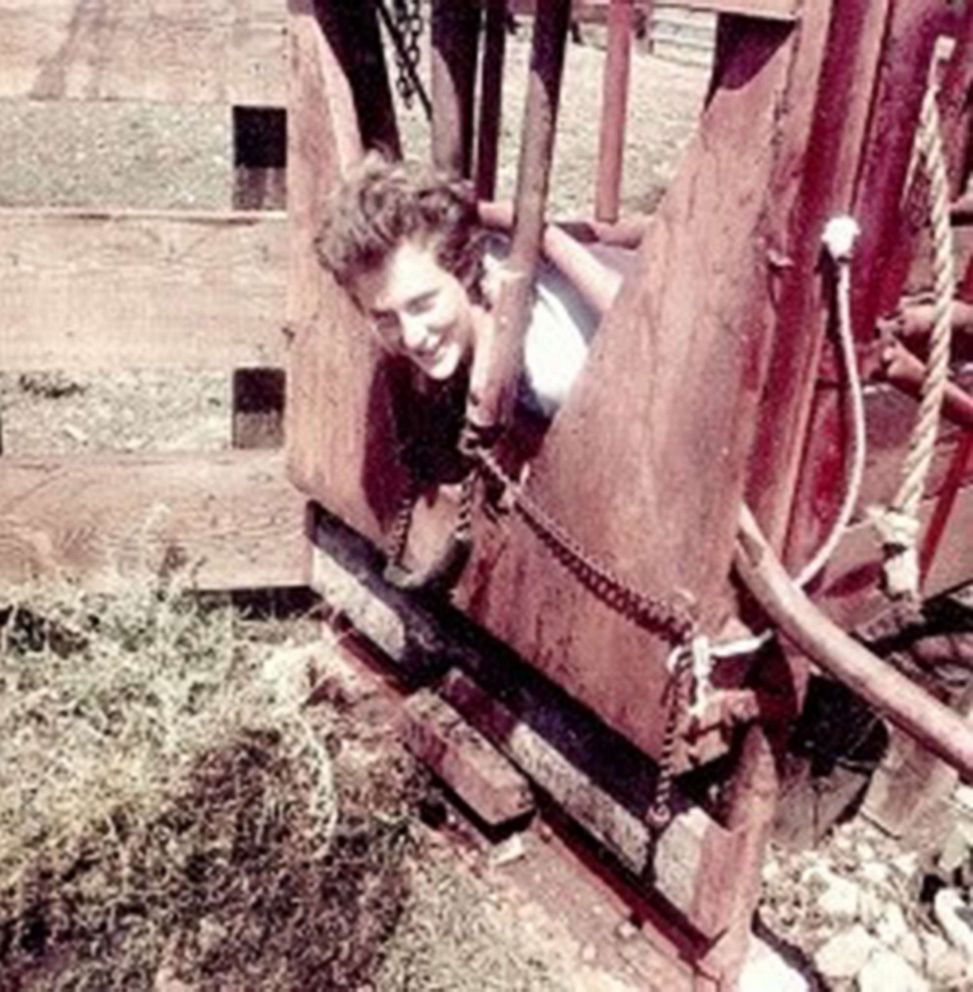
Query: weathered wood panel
(91,290)
(232,518)
(596,10)
(335,422)
(198,51)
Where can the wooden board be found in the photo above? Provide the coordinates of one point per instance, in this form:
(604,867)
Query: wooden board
(90,290)
(585,10)
(232,518)
(195,51)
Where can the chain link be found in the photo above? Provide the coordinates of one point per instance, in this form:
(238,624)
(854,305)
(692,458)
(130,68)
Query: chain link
(671,617)
(407,15)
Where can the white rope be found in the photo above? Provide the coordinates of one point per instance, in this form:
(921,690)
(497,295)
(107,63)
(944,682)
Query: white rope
(898,524)
(839,239)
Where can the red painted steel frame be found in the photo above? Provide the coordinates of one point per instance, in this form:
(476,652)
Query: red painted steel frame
(614,106)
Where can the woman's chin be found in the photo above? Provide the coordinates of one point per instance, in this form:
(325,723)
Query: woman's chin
(444,364)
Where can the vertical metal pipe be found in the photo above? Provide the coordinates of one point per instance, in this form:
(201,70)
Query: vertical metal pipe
(491,98)
(614,105)
(455,42)
(495,374)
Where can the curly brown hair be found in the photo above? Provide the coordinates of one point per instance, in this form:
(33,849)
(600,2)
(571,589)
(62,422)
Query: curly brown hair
(383,204)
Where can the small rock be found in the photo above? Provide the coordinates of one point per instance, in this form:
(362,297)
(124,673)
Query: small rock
(588,953)
(626,930)
(957,847)
(770,870)
(934,946)
(866,852)
(963,796)
(871,906)
(765,969)
(906,864)
(948,967)
(875,872)
(510,850)
(956,919)
(892,927)
(846,954)
(544,832)
(910,949)
(839,896)
(886,971)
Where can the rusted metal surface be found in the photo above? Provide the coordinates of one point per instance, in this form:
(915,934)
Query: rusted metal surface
(912,217)
(620,465)
(491,97)
(907,372)
(455,42)
(830,160)
(498,363)
(916,712)
(900,83)
(614,106)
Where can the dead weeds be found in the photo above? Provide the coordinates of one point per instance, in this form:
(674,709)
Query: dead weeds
(164,820)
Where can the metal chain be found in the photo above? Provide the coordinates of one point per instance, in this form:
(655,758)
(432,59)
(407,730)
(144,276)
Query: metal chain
(407,15)
(673,618)
(660,812)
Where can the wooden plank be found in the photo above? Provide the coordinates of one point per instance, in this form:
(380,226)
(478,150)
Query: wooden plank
(232,518)
(95,290)
(186,51)
(596,10)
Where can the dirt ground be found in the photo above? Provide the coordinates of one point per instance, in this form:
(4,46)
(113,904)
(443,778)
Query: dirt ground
(451,912)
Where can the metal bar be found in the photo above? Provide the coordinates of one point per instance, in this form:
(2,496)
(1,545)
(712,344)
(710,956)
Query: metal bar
(614,106)
(496,371)
(595,281)
(491,98)
(455,40)
(910,708)
(906,372)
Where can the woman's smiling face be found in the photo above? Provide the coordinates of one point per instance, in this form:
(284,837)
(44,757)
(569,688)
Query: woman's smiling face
(419,309)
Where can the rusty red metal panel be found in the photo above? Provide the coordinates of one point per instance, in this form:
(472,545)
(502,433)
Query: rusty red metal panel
(899,88)
(645,463)
(614,104)
(455,44)
(828,164)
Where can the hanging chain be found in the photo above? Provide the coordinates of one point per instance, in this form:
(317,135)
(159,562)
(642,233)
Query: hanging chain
(676,697)
(673,618)
(407,15)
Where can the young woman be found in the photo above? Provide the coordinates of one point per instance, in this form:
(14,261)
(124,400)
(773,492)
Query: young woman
(408,246)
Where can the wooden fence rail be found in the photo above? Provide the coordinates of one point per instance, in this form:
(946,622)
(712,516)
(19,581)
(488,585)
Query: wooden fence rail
(90,290)
(186,51)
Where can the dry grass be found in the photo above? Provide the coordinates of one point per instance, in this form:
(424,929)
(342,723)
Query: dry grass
(162,813)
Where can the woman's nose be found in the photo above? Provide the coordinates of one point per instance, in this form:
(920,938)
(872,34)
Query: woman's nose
(414,332)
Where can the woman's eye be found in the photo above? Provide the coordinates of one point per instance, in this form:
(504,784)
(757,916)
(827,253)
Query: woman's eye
(422,304)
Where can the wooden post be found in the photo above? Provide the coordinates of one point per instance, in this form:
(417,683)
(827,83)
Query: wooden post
(455,41)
